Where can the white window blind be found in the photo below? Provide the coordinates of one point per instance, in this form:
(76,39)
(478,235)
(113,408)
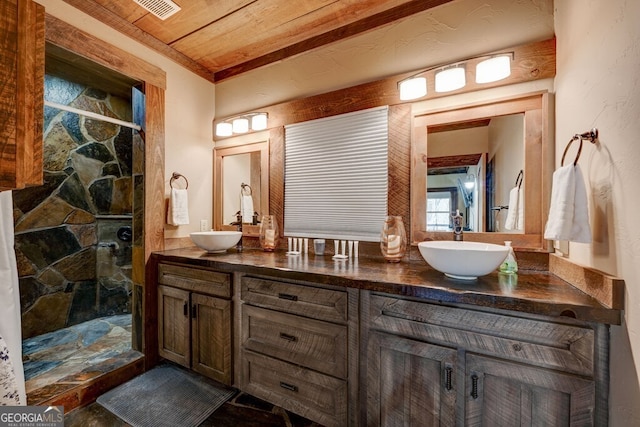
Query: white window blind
(336,176)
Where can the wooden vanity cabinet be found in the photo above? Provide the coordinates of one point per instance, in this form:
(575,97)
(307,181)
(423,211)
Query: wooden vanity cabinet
(433,365)
(298,348)
(194,317)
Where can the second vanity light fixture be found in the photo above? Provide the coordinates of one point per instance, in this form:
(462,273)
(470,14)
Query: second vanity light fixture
(242,124)
(453,76)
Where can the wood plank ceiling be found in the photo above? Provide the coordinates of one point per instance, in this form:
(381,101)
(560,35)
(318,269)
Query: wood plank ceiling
(219,39)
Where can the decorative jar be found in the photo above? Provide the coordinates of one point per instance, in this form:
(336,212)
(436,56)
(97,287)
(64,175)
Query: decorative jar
(269,235)
(393,239)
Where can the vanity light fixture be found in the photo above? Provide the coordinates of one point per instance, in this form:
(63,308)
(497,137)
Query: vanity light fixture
(493,69)
(450,77)
(470,182)
(412,88)
(259,121)
(242,124)
(224,129)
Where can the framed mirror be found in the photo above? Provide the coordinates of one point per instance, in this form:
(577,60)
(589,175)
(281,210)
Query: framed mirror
(483,160)
(240,182)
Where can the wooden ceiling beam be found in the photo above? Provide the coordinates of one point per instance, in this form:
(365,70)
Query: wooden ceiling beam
(349,30)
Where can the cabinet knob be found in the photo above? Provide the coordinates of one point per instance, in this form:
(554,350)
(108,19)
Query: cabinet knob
(185,309)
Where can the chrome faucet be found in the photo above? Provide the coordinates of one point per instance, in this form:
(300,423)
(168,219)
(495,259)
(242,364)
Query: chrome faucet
(457,226)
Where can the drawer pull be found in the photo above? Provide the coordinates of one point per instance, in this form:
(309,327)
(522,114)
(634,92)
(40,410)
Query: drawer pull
(288,297)
(474,386)
(447,381)
(288,337)
(185,309)
(289,387)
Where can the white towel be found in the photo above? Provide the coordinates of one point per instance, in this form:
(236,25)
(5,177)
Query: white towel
(246,208)
(514,209)
(568,213)
(520,221)
(178,213)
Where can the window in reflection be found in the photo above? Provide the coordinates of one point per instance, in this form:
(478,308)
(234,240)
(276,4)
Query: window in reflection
(439,207)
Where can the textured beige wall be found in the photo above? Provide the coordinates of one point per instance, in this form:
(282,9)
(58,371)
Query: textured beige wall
(598,85)
(189,111)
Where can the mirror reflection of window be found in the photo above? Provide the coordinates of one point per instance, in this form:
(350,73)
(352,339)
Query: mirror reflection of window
(439,208)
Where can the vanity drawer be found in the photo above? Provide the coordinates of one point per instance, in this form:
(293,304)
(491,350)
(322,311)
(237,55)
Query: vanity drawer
(315,344)
(310,394)
(195,279)
(310,301)
(543,343)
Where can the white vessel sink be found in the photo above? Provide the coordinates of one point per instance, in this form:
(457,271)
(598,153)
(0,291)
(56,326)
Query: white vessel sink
(215,241)
(463,260)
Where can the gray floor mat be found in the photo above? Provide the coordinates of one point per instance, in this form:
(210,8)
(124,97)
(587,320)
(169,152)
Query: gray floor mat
(165,396)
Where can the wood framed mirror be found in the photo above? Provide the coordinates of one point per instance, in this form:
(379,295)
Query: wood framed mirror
(233,166)
(535,112)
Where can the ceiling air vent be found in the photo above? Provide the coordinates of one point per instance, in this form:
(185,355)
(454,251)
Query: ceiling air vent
(160,8)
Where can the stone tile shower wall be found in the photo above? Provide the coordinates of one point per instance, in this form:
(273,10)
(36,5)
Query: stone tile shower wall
(72,267)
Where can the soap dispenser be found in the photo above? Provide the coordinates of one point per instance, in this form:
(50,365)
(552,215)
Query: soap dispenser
(509,265)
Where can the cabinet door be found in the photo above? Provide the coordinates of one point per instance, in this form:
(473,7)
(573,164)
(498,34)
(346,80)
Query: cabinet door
(211,337)
(502,393)
(409,383)
(173,321)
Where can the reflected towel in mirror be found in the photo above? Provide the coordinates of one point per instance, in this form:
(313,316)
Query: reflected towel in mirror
(246,207)
(515,215)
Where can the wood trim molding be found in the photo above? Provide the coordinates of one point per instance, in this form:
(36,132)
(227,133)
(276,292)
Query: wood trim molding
(537,145)
(84,44)
(609,290)
(263,191)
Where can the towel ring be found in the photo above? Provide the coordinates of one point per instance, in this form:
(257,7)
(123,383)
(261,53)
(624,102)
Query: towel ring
(520,178)
(591,136)
(575,162)
(175,176)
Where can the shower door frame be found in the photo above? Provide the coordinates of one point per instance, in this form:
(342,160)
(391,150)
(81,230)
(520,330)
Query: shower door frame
(153,84)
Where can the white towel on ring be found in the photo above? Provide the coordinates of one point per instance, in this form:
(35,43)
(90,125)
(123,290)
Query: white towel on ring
(515,212)
(246,208)
(178,212)
(569,212)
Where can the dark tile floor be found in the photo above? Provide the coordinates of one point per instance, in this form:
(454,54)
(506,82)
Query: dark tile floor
(64,359)
(241,411)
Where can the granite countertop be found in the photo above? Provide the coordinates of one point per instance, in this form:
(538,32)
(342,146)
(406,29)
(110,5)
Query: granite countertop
(529,291)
